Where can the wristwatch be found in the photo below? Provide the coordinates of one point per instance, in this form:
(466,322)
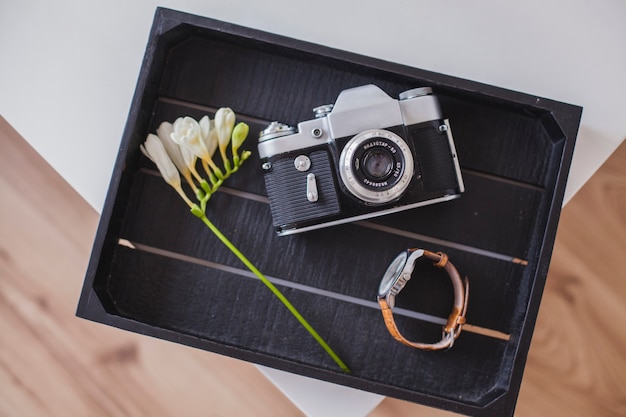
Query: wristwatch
(396,277)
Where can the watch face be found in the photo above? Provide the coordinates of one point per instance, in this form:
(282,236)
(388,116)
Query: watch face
(393,272)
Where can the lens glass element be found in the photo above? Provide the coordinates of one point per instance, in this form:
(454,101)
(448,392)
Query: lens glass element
(377,163)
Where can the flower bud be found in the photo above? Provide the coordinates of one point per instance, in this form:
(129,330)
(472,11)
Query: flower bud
(224,122)
(240,133)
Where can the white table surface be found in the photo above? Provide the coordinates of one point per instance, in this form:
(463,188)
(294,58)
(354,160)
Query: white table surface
(68,71)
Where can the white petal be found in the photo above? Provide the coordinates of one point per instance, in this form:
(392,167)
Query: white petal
(165,129)
(145,152)
(189,157)
(173,149)
(176,131)
(211,140)
(157,153)
(224,122)
(205,126)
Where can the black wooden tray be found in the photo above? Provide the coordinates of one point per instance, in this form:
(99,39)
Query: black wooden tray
(179,283)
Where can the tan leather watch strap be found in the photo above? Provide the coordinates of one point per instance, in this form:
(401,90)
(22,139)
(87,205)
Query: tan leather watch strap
(455,320)
(445,342)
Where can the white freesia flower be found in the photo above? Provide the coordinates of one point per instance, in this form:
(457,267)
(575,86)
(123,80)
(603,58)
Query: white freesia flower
(188,158)
(154,149)
(186,132)
(173,149)
(183,158)
(224,123)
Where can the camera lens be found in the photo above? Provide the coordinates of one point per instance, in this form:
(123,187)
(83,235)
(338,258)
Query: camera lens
(377,163)
(376,166)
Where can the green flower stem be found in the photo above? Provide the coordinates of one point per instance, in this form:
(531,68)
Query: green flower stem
(272,288)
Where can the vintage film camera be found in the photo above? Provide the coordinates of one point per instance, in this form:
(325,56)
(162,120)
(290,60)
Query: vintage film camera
(367,155)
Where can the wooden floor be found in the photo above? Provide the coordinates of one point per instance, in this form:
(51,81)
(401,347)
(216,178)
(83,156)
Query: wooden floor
(54,364)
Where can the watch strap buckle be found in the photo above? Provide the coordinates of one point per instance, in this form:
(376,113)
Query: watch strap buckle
(457,319)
